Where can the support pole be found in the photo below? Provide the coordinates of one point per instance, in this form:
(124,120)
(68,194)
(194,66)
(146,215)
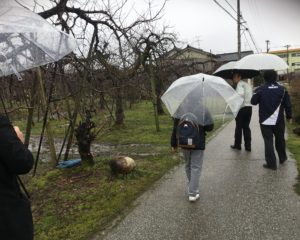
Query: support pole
(267,42)
(239,28)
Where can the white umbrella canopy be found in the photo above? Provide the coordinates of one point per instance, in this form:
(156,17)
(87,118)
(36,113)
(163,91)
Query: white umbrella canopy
(208,97)
(228,69)
(27,40)
(262,61)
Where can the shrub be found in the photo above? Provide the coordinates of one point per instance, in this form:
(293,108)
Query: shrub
(295,97)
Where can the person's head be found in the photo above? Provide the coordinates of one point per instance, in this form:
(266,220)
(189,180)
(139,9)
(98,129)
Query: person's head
(270,76)
(236,77)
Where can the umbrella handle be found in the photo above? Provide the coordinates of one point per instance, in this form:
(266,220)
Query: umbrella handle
(16,73)
(224,113)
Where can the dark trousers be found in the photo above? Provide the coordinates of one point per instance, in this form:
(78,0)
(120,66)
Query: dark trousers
(242,121)
(268,132)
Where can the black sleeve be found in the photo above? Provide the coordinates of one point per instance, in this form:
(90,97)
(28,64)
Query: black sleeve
(208,128)
(13,153)
(287,105)
(173,136)
(255,98)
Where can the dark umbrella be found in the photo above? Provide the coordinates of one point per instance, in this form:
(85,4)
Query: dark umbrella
(227,70)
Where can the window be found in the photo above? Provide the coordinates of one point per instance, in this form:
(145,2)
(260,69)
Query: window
(296,54)
(296,64)
(282,55)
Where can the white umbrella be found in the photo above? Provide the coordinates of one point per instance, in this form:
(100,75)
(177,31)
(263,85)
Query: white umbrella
(228,69)
(262,61)
(27,40)
(208,97)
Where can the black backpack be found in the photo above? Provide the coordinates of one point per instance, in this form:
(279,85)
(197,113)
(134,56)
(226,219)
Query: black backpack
(188,132)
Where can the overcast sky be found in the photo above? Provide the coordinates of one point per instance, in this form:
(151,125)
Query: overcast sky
(204,24)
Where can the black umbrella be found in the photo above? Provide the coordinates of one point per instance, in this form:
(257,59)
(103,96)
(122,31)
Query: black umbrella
(227,70)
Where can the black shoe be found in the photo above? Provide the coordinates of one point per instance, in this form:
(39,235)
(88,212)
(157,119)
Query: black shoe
(235,147)
(248,149)
(282,161)
(267,166)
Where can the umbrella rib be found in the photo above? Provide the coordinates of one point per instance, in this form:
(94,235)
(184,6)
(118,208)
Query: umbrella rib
(38,46)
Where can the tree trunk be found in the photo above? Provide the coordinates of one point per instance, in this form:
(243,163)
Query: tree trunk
(154,97)
(30,112)
(158,91)
(119,108)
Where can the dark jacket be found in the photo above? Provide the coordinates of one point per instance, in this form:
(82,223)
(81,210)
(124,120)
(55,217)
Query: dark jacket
(269,96)
(202,130)
(15,213)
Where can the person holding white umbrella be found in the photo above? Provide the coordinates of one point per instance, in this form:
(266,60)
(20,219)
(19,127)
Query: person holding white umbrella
(242,127)
(273,100)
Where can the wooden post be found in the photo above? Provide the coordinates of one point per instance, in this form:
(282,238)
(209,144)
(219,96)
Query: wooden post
(50,138)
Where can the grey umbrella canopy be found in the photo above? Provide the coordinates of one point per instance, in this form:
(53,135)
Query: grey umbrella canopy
(27,40)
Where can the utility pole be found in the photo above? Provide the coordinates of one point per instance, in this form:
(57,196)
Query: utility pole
(268,41)
(239,28)
(287,61)
(287,54)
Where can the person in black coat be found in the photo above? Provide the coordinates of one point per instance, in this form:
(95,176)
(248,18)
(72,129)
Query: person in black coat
(15,213)
(273,100)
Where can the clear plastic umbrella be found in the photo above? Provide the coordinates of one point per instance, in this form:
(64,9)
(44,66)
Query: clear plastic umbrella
(208,97)
(27,40)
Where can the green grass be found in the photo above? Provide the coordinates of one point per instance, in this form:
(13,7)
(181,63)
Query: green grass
(75,203)
(80,201)
(293,144)
(139,127)
(59,127)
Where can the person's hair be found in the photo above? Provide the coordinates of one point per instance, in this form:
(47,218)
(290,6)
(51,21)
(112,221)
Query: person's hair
(270,76)
(235,71)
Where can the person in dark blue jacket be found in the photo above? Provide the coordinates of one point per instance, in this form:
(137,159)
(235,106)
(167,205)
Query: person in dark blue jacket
(273,100)
(15,158)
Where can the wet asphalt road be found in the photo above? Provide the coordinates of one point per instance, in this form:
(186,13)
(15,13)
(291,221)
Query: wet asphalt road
(239,199)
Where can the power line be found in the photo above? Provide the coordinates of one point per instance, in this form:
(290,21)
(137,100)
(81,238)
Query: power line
(243,23)
(225,10)
(251,36)
(230,6)
(247,40)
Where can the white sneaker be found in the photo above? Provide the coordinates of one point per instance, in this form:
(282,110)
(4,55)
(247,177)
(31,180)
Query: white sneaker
(194,198)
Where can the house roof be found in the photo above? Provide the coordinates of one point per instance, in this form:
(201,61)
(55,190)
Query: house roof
(284,51)
(175,52)
(233,56)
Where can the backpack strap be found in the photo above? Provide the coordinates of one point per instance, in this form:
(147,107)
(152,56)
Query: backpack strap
(282,96)
(186,120)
